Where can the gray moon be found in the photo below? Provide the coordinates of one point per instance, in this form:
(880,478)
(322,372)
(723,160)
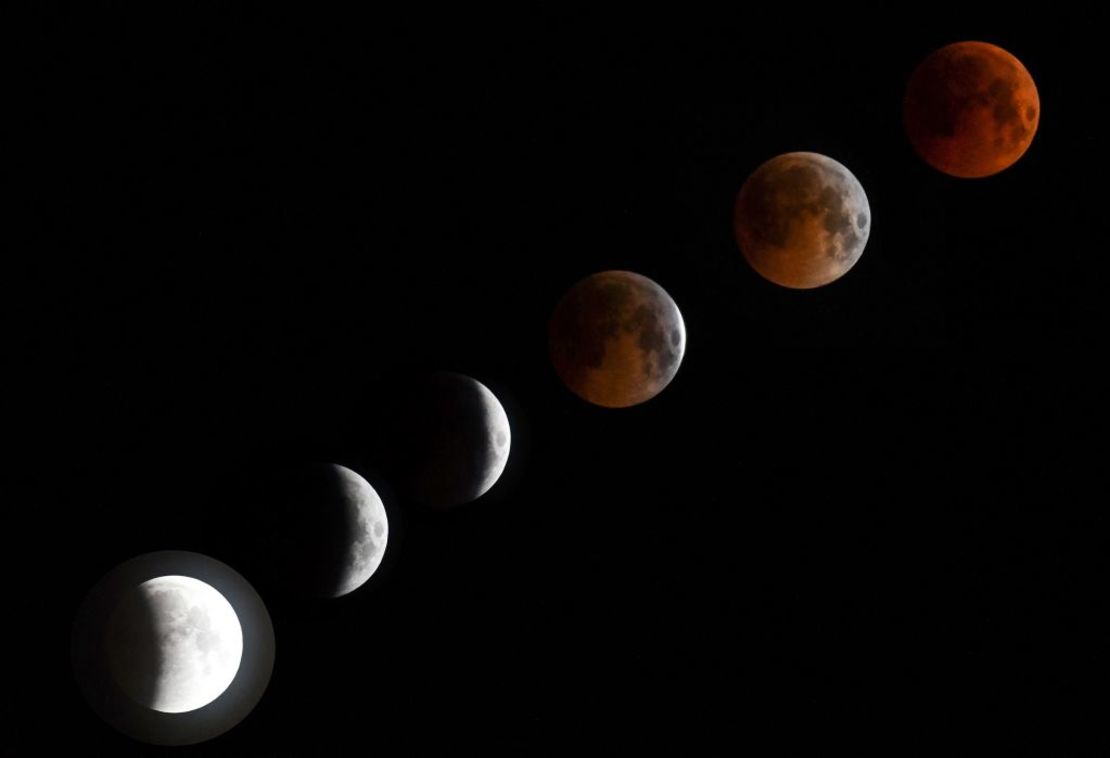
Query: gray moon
(369,529)
(317,529)
(446,439)
(616,339)
(174,643)
(802,220)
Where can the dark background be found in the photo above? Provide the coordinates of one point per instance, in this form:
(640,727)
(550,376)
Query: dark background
(866,509)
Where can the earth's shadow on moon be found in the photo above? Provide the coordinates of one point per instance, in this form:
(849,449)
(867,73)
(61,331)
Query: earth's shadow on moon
(289,522)
(616,339)
(93,671)
(437,437)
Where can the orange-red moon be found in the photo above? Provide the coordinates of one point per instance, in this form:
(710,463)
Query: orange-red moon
(802,220)
(971,109)
(616,339)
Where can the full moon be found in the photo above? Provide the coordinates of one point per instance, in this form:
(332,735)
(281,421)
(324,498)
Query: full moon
(617,339)
(174,644)
(971,109)
(802,220)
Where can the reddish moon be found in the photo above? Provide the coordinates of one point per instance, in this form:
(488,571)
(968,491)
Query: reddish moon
(802,220)
(971,109)
(616,339)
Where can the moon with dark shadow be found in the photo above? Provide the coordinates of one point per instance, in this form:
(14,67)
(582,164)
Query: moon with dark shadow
(802,220)
(316,529)
(172,648)
(971,109)
(616,339)
(174,643)
(446,439)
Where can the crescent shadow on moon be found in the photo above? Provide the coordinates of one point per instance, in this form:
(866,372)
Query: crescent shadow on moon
(304,529)
(444,438)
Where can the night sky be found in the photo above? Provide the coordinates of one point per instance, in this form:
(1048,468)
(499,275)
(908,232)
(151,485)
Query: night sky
(872,507)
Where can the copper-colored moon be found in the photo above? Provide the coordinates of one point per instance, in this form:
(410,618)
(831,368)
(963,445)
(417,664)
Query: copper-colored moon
(617,339)
(971,109)
(802,220)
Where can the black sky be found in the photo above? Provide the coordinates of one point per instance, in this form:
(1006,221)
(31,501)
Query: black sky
(866,507)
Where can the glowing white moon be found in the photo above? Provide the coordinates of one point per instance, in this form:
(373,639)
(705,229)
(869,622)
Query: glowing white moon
(498,439)
(174,643)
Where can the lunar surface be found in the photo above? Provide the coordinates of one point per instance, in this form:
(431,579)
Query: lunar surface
(971,109)
(369,530)
(617,339)
(172,647)
(174,644)
(310,529)
(802,220)
(448,439)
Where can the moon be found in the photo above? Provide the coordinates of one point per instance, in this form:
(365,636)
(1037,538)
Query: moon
(172,648)
(447,439)
(174,643)
(971,109)
(616,339)
(367,526)
(305,529)
(802,220)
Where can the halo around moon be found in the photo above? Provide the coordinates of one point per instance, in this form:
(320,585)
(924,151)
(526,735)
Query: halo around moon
(971,109)
(802,220)
(169,604)
(616,339)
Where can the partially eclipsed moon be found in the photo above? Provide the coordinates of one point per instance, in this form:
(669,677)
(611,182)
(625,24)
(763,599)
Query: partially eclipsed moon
(971,109)
(448,439)
(802,220)
(369,530)
(172,647)
(174,644)
(617,339)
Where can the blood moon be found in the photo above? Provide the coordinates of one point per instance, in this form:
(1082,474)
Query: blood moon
(802,220)
(616,339)
(971,109)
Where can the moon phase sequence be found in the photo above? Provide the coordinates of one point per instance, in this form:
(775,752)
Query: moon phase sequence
(617,339)
(802,220)
(166,651)
(971,109)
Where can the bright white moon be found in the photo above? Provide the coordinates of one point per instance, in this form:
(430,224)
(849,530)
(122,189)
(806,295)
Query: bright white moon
(175,644)
(498,442)
(371,530)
